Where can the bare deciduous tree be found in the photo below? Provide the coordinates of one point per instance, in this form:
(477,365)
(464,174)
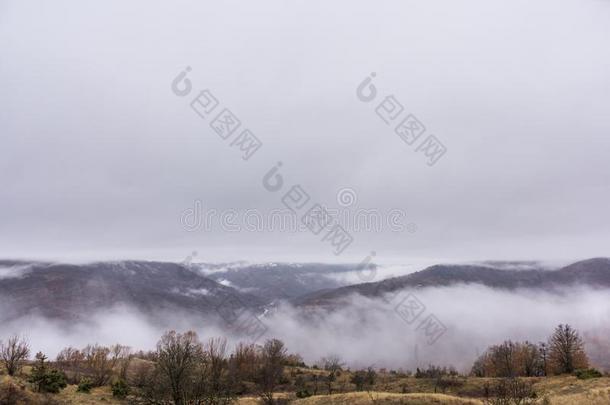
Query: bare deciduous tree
(333,365)
(177,357)
(121,357)
(100,362)
(510,359)
(530,360)
(13,353)
(271,368)
(242,366)
(71,362)
(505,359)
(215,387)
(567,350)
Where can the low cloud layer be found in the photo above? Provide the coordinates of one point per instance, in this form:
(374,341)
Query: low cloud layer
(365,331)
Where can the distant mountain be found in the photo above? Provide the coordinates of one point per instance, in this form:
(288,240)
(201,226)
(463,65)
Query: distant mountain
(276,281)
(69,292)
(64,291)
(592,272)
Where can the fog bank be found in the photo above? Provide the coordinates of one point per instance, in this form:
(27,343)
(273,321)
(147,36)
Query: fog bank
(361,330)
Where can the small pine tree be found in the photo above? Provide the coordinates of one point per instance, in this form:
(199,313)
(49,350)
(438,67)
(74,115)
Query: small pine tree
(46,379)
(585,374)
(120,389)
(85,386)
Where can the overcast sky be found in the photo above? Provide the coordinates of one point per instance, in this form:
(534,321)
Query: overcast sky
(99,159)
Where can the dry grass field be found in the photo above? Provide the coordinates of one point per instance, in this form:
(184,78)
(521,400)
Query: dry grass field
(565,390)
(358,398)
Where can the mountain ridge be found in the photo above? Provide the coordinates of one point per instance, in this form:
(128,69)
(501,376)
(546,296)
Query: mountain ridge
(593,272)
(73,291)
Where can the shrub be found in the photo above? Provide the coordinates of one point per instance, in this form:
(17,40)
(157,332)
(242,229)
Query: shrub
(358,379)
(51,381)
(585,374)
(120,389)
(510,391)
(46,379)
(363,378)
(435,372)
(444,383)
(85,386)
(303,394)
(11,394)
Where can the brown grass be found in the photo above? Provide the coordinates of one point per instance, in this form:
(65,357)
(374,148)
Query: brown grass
(101,395)
(569,390)
(362,398)
(564,390)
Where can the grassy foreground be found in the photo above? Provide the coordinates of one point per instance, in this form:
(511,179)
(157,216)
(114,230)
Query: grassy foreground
(386,398)
(564,390)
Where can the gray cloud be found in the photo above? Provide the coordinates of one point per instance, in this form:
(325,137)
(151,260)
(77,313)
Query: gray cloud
(98,158)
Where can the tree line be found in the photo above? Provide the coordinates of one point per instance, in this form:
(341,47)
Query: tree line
(563,353)
(184,370)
